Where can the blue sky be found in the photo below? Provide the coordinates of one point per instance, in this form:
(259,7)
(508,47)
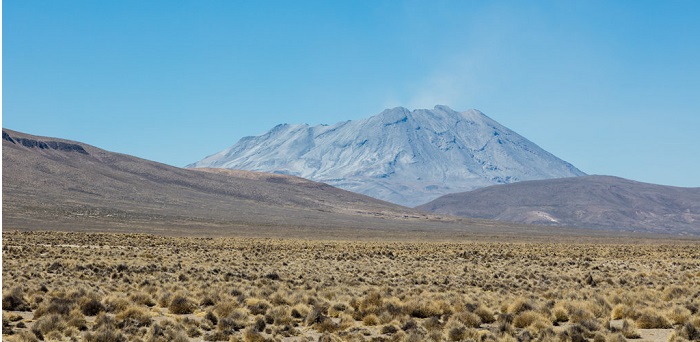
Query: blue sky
(611,86)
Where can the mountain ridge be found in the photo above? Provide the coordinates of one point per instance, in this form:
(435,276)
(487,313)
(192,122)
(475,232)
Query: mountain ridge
(401,156)
(594,201)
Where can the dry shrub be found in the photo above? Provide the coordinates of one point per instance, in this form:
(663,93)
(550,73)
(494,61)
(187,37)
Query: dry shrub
(141,298)
(527,318)
(225,308)
(695,320)
(651,320)
(574,332)
(279,299)
(444,307)
(314,316)
(579,314)
(59,306)
(10,317)
(676,337)
(456,331)
(617,337)
(133,316)
(409,325)
(432,324)
(414,336)
(485,314)
(228,326)
(211,317)
(53,336)
(22,336)
(167,331)
(422,309)
(91,306)
(300,311)
(629,330)
(385,318)
(257,306)
(560,313)
(326,325)
(598,306)
(599,337)
(72,333)
(398,336)
(164,299)
(394,306)
(77,320)
(208,299)
(507,338)
(177,336)
(524,335)
(621,311)
(280,315)
(370,320)
(520,305)
(327,337)
(468,319)
(218,336)
(477,335)
(346,321)
(389,329)
(251,335)
(234,321)
(105,334)
(48,323)
(435,335)
(336,309)
(181,305)
(590,325)
(104,320)
(14,301)
(371,303)
(690,332)
(678,315)
(115,304)
(674,292)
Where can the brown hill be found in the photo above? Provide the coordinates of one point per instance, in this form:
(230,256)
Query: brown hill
(57,184)
(601,202)
(71,183)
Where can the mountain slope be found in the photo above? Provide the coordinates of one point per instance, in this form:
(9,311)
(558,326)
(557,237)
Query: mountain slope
(57,184)
(401,156)
(48,181)
(590,201)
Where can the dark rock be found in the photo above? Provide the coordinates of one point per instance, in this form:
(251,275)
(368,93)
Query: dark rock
(44,145)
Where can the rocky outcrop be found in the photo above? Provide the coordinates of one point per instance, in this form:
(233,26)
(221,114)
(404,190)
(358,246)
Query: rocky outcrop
(43,145)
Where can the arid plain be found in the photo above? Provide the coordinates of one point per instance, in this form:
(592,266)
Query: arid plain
(130,287)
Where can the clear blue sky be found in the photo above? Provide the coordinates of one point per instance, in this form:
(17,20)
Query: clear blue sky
(611,86)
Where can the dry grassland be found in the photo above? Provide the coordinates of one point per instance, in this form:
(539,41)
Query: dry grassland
(108,287)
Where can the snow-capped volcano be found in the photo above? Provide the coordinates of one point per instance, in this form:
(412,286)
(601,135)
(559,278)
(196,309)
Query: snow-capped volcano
(401,156)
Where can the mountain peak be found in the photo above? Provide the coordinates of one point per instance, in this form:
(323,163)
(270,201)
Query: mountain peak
(401,156)
(394,116)
(443,108)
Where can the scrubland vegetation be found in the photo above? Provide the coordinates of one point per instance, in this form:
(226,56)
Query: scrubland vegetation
(108,287)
